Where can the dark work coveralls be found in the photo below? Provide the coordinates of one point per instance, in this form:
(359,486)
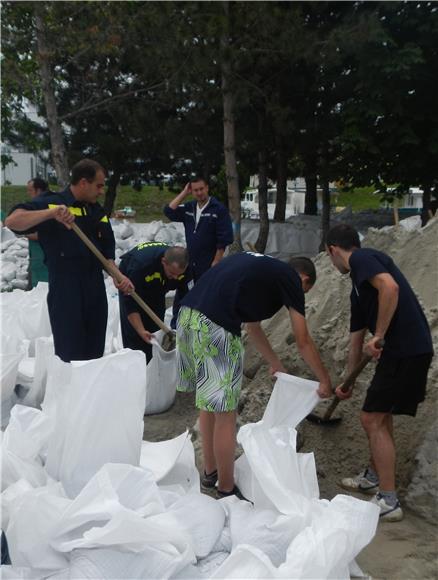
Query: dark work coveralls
(214,231)
(143,267)
(77,302)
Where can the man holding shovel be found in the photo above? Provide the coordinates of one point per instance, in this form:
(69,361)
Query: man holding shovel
(242,288)
(154,268)
(382,302)
(76,300)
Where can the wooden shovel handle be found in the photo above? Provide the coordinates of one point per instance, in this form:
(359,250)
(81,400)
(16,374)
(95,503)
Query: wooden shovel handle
(115,273)
(349,380)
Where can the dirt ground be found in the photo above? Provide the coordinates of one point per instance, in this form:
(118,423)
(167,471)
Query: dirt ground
(405,550)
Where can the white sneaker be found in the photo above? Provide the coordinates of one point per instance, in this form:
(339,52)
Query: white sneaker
(360,483)
(388,513)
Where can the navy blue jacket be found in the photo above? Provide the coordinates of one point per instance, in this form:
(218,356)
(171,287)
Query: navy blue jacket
(143,267)
(61,244)
(214,231)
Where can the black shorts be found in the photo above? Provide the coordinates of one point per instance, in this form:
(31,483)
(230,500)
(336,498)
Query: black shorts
(398,385)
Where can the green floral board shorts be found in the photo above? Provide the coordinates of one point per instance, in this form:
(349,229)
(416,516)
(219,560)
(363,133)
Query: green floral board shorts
(210,360)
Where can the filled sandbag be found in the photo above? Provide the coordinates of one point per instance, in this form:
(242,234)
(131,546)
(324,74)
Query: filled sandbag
(98,417)
(161,378)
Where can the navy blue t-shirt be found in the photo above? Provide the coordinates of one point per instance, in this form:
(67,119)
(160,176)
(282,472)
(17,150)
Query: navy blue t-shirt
(246,287)
(408,333)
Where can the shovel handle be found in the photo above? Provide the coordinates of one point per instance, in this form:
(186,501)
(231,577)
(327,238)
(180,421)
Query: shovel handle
(115,273)
(349,380)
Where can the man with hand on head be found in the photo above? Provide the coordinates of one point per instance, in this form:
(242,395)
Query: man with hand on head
(244,288)
(154,268)
(207,225)
(77,302)
(382,302)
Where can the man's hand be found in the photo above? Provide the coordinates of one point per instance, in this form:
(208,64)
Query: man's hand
(62,214)
(124,284)
(372,349)
(340,393)
(325,390)
(146,336)
(187,189)
(277,367)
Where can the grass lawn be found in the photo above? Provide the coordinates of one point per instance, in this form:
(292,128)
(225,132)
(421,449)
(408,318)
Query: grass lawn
(359,199)
(148,203)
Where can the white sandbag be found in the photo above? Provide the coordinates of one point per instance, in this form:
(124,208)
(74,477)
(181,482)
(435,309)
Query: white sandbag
(271,473)
(32,372)
(184,473)
(246,562)
(207,566)
(161,378)
(161,456)
(21,284)
(23,444)
(31,523)
(20,573)
(334,538)
(58,377)
(202,517)
(9,496)
(172,462)
(114,564)
(267,530)
(125,231)
(13,350)
(98,418)
(116,490)
(8,271)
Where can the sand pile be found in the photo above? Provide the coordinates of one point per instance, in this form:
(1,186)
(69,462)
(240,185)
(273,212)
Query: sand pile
(341,451)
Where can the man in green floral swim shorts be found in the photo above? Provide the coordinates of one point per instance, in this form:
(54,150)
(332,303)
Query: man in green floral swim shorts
(243,288)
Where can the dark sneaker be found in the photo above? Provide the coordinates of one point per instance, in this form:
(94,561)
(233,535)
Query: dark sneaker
(388,513)
(209,480)
(235,491)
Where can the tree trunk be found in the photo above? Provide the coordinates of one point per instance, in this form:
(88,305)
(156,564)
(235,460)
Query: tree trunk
(58,151)
(111,192)
(325,218)
(229,132)
(280,205)
(425,215)
(311,199)
(262,238)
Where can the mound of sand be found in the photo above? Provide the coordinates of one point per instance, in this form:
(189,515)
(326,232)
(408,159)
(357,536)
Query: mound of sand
(342,450)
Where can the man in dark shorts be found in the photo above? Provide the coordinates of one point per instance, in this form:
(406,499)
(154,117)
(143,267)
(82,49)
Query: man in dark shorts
(154,268)
(243,288)
(382,302)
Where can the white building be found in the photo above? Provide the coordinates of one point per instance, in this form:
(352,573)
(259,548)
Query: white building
(24,166)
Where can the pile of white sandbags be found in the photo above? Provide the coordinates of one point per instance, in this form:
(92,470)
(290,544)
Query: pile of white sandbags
(84,497)
(128,235)
(14,261)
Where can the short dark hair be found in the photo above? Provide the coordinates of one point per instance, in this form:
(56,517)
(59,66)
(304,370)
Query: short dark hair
(85,169)
(39,183)
(344,236)
(304,266)
(177,255)
(198,178)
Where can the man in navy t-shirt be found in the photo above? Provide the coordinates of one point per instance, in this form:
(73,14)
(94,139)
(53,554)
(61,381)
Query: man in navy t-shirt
(242,289)
(382,302)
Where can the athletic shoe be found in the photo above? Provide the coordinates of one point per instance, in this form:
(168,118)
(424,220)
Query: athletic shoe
(360,483)
(209,480)
(235,491)
(388,513)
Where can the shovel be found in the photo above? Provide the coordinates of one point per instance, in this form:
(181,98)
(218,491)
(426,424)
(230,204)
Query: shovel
(326,417)
(169,336)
